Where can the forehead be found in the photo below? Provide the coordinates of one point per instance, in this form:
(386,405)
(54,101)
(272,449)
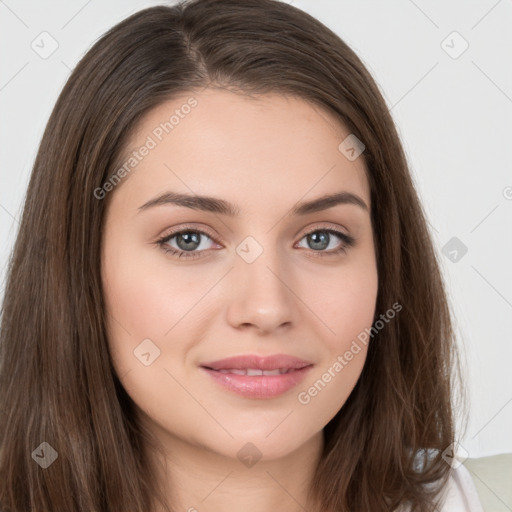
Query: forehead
(247,148)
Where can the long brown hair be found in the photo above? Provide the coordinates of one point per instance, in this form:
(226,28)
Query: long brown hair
(57,382)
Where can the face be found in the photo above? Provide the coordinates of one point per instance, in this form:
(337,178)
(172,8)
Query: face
(216,245)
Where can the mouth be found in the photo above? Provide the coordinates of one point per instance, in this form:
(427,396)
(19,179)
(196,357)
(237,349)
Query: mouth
(281,363)
(258,377)
(253,371)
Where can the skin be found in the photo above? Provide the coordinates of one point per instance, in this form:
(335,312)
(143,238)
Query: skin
(263,154)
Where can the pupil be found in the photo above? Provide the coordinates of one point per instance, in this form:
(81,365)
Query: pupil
(188,241)
(319,240)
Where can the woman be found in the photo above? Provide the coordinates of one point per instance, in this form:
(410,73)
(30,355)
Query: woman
(223,292)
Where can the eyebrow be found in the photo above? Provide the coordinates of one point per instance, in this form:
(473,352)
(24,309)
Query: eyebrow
(214,205)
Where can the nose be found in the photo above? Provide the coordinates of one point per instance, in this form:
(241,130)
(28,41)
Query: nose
(262,295)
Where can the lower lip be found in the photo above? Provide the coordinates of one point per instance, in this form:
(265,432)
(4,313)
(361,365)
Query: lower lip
(259,386)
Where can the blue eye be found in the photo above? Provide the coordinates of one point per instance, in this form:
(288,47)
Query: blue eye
(321,239)
(187,241)
(190,243)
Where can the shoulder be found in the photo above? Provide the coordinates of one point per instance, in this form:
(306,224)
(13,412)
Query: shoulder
(460,494)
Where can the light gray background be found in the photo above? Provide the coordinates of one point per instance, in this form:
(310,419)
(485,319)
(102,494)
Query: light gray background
(454,114)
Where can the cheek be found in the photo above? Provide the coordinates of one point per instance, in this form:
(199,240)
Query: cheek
(325,393)
(148,299)
(147,307)
(345,303)
(135,307)
(326,390)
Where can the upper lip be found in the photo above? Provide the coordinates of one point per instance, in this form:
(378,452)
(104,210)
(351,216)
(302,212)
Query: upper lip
(273,362)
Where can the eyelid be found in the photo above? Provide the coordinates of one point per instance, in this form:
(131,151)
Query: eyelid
(192,227)
(324,225)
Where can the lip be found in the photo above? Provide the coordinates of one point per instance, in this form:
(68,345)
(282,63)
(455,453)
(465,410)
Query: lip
(258,386)
(258,362)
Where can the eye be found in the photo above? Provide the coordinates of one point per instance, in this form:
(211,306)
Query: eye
(188,243)
(321,239)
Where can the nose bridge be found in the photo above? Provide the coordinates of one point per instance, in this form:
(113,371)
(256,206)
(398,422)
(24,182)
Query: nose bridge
(262,266)
(261,294)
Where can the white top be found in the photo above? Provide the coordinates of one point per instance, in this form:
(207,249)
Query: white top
(460,492)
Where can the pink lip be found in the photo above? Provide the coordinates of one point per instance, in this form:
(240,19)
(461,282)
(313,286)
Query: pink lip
(257,362)
(259,386)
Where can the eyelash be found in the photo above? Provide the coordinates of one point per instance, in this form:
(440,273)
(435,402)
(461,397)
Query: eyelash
(347,243)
